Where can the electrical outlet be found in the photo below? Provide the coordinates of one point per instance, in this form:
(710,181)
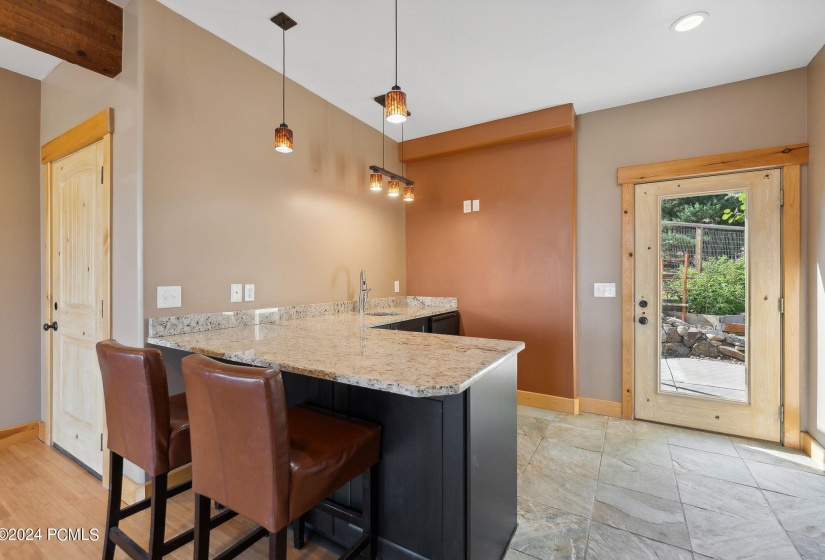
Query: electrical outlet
(468,206)
(475,205)
(397,286)
(235,293)
(249,292)
(168,296)
(604,290)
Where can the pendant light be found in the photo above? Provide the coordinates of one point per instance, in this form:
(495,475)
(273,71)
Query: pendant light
(393,188)
(395,102)
(409,190)
(376,178)
(283,134)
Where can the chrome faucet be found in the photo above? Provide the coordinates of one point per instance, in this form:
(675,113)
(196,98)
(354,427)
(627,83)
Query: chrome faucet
(364,295)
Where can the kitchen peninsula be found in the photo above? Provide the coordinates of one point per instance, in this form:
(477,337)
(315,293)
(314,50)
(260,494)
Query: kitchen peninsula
(446,404)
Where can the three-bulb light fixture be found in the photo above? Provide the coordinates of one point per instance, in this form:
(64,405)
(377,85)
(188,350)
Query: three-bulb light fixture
(395,111)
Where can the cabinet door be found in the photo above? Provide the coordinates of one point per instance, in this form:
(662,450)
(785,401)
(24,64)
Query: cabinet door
(446,323)
(415,325)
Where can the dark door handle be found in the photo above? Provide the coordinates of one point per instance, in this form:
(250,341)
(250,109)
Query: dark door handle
(47,326)
(642,320)
(643,303)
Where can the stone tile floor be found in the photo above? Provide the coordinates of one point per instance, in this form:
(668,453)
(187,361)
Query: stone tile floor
(600,488)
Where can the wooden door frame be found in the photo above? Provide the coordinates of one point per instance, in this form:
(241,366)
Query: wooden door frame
(787,158)
(93,130)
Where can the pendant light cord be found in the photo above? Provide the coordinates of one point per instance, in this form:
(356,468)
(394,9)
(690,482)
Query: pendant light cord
(283,77)
(383,142)
(396,42)
(403,162)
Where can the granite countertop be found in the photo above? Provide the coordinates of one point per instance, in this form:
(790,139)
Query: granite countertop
(328,342)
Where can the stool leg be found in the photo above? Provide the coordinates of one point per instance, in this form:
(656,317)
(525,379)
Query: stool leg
(298,533)
(202,515)
(370,510)
(115,496)
(277,545)
(157,529)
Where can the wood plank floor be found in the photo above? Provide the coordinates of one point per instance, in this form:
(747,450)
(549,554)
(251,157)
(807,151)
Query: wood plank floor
(42,488)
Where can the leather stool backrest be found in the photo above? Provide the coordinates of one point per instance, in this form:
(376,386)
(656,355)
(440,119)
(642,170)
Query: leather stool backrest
(136,396)
(240,438)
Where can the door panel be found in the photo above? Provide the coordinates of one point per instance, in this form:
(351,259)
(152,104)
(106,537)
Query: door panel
(80,216)
(753,409)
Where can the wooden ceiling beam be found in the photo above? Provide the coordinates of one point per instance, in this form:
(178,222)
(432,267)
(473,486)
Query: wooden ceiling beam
(88,33)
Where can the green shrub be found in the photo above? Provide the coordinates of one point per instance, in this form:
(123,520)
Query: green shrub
(718,290)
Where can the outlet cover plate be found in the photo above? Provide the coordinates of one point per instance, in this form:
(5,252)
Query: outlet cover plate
(249,292)
(235,293)
(168,297)
(475,205)
(468,206)
(397,286)
(604,290)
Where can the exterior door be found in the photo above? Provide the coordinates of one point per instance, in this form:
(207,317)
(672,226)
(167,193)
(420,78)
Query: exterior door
(80,214)
(708,303)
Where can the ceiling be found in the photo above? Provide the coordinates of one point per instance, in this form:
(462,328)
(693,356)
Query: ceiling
(463,62)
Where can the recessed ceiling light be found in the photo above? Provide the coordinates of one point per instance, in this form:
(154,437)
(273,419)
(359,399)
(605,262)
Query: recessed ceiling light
(689,22)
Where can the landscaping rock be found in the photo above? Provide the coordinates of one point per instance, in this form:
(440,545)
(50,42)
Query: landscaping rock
(675,350)
(732,353)
(671,334)
(682,330)
(740,349)
(691,337)
(715,336)
(734,339)
(705,349)
(715,343)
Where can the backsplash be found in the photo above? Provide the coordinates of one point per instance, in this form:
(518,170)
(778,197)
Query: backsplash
(200,322)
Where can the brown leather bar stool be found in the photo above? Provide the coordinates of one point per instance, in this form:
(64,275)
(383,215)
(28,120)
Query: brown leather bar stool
(269,463)
(149,428)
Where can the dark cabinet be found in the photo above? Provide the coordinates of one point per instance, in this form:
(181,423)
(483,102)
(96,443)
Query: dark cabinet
(421,324)
(446,323)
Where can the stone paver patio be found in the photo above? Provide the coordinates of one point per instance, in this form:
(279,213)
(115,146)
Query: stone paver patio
(705,378)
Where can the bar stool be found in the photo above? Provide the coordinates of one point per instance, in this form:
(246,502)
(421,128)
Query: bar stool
(149,428)
(269,463)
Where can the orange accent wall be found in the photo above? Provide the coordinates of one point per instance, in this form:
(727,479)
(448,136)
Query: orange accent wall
(512,264)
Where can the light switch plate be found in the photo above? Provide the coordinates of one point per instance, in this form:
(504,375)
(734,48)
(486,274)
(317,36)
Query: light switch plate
(475,205)
(397,286)
(235,293)
(168,296)
(468,206)
(249,292)
(604,290)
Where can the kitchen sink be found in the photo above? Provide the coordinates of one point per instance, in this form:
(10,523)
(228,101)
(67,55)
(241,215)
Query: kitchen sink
(383,313)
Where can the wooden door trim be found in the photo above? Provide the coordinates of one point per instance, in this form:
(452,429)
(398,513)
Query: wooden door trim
(85,134)
(98,128)
(750,160)
(788,158)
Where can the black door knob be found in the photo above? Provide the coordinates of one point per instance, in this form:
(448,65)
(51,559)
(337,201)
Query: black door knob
(47,326)
(643,303)
(642,320)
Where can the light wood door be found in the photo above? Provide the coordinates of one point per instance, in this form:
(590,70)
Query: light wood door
(744,401)
(80,215)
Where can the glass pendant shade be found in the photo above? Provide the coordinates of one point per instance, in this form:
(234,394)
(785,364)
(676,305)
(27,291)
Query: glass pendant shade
(393,188)
(409,194)
(376,181)
(283,139)
(395,105)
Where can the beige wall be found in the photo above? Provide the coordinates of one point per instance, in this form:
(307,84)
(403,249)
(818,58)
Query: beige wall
(19,249)
(816,248)
(70,95)
(222,206)
(758,113)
